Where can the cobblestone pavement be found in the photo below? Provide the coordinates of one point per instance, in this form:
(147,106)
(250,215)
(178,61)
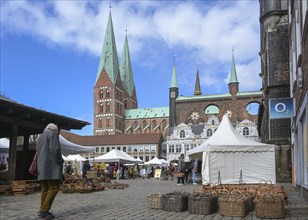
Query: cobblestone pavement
(128,203)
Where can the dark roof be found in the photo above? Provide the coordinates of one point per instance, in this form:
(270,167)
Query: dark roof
(119,139)
(197,129)
(30,120)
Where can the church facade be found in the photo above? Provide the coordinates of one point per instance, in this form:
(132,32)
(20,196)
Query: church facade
(188,120)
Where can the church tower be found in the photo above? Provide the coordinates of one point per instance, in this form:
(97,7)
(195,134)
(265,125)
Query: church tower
(197,85)
(108,89)
(127,78)
(233,82)
(173,94)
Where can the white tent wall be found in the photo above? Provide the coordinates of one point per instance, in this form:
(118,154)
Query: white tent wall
(255,166)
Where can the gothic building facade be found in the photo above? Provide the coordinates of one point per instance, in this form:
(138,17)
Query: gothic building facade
(116,109)
(194,119)
(275,76)
(115,97)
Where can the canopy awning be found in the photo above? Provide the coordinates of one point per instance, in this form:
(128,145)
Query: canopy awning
(70,147)
(116,156)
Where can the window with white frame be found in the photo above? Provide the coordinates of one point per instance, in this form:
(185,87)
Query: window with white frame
(171,148)
(178,148)
(102,149)
(153,148)
(182,134)
(245,131)
(186,147)
(209,132)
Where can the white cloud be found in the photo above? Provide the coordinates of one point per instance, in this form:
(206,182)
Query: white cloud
(195,30)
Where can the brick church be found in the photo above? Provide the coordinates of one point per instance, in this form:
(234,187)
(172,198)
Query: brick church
(117,116)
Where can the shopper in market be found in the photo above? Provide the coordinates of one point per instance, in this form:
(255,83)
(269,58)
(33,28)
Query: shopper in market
(194,170)
(49,165)
(181,169)
(85,167)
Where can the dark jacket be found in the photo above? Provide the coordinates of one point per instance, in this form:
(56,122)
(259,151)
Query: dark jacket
(49,156)
(181,163)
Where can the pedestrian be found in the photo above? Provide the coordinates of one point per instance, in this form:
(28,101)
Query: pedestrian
(170,171)
(50,166)
(194,171)
(69,169)
(187,170)
(181,169)
(85,167)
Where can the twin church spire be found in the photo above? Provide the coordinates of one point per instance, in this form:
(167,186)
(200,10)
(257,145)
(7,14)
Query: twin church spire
(109,60)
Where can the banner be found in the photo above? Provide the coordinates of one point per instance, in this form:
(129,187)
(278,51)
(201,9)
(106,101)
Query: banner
(281,108)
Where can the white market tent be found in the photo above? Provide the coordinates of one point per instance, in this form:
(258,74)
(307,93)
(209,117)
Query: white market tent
(74,157)
(154,161)
(70,148)
(164,162)
(229,153)
(116,156)
(139,161)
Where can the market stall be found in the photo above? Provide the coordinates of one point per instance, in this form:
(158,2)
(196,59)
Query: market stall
(230,157)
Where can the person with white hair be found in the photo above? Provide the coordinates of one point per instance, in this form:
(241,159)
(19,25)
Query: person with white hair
(49,166)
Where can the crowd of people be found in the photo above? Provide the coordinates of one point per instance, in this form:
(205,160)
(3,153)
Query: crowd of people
(50,169)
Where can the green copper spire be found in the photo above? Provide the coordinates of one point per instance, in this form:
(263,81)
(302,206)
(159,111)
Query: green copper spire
(197,85)
(109,57)
(233,76)
(126,71)
(174,81)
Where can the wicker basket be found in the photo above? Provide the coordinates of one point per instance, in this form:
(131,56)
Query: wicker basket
(175,202)
(179,174)
(233,205)
(155,201)
(269,206)
(202,203)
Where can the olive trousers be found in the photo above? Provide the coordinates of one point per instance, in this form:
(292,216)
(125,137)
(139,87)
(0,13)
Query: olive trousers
(50,189)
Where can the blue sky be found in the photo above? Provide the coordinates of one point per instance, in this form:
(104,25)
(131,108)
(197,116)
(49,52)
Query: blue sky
(50,49)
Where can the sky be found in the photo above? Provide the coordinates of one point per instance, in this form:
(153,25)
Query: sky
(50,50)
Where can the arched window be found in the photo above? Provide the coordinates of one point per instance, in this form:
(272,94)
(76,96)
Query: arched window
(107,94)
(154,124)
(135,124)
(100,95)
(209,132)
(100,123)
(245,131)
(107,122)
(145,123)
(211,110)
(182,134)
(164,124)
(107,107)
(101,108)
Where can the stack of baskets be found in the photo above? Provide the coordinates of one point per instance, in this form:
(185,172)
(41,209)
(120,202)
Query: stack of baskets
(234,204)
(68,186)
(202,203)
(268,204)
(176,201)
(155,201)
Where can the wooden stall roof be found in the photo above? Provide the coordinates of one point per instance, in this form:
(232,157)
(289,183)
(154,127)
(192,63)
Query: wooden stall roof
(31,120)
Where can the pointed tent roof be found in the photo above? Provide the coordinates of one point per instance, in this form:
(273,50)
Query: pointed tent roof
(233,75)
(154,161)
(197,85)
(116,156)
(73,157)
(226,138)
(126,71)
(70,147)
(174,81)
(109,57)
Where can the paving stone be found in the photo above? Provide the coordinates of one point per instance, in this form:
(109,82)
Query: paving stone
(126,204)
